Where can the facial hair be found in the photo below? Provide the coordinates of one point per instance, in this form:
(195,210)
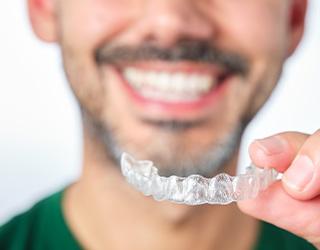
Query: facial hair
(215,156)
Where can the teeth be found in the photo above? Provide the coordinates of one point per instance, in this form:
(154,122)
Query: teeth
(169,86)
(179,82)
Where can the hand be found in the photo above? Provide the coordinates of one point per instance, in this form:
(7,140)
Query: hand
(294,202)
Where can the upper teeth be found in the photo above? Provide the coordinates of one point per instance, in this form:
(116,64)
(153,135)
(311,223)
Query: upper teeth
(170,86)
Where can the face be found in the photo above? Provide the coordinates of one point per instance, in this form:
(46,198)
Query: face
(173,81)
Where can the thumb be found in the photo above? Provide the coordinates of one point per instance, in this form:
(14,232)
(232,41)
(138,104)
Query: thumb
(302,179)
(296,155)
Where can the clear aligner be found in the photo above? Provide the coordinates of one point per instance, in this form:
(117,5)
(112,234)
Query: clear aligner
(195,189)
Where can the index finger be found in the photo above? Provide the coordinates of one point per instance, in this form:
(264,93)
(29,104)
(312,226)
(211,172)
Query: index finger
(277,151)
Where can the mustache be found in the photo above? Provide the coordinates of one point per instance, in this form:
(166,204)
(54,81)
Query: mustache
(195,51)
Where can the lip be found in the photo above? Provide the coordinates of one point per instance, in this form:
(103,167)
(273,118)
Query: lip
(175,110)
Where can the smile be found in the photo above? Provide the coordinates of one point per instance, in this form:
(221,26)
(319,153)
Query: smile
(174,90)
(169,87)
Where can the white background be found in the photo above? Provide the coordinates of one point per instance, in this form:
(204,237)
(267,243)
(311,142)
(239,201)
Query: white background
(40,132)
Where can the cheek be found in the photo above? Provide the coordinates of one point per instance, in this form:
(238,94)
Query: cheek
(88,23)
(254,28)
(258,30)
(85,25)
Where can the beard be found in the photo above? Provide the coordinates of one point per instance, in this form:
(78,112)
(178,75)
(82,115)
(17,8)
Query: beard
(171,158)
(168,150)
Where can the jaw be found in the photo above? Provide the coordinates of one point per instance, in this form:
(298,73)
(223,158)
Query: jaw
(145,132)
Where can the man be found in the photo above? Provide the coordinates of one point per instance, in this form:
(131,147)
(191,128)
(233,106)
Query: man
(176,82)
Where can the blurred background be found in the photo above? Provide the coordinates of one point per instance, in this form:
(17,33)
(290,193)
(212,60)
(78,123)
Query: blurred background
(40,129)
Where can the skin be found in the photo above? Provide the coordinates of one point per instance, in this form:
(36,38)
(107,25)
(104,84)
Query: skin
(96,207)
(295,201)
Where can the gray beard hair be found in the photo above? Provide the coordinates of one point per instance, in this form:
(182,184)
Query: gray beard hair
(211,162)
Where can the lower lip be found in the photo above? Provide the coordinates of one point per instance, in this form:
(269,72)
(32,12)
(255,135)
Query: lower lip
(205,102)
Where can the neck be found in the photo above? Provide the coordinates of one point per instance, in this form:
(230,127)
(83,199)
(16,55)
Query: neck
(104,212)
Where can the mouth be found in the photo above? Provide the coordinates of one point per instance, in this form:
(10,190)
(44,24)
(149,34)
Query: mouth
(174,90)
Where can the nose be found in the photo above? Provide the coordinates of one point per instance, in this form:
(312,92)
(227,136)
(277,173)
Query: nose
(167,21)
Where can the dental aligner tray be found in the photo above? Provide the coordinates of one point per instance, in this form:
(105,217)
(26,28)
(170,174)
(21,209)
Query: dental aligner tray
(195,189)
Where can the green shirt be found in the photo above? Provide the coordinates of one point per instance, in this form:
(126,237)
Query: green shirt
(43,227)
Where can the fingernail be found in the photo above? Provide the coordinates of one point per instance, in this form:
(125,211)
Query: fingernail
(272,145)
(300,173)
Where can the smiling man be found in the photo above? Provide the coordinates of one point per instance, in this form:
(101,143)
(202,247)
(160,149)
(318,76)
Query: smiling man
(176,82)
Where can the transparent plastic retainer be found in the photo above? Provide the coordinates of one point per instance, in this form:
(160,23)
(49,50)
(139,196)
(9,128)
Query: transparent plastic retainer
(195,189)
